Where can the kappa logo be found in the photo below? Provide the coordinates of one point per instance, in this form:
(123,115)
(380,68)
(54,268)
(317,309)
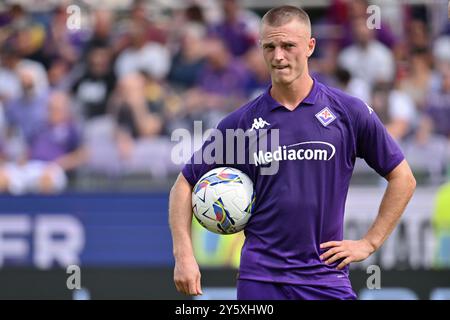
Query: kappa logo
(259,124)
(325,116)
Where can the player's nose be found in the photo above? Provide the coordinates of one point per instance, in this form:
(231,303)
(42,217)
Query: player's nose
(278,55)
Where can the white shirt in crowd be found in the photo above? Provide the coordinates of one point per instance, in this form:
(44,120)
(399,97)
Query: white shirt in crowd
(371,64)
(152,58)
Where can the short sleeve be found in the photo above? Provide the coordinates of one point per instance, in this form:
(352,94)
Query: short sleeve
(373,143)
(208,157)
(221,149)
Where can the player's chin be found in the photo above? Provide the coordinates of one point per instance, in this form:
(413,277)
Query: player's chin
(281,79)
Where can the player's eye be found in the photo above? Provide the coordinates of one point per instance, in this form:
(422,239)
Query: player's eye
(268,47)
(288,45)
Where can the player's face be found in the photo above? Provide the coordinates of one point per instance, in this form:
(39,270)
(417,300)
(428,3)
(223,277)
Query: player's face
(286,50)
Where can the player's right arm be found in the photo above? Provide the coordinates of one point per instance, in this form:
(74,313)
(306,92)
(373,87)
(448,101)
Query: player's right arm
(186,272)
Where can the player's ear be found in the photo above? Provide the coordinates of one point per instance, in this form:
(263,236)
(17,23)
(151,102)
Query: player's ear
(311,46)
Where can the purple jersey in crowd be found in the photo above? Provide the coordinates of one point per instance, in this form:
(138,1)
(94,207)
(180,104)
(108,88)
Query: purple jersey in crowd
(302,205)
(54,141)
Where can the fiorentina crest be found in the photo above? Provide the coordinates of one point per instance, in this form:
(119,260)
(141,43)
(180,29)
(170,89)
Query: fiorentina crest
(325,116)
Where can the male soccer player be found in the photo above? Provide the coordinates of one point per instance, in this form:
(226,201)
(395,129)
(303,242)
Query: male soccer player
(294,247)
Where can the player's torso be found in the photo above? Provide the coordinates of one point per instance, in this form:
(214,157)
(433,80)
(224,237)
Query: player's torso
(311,140)
(301,167)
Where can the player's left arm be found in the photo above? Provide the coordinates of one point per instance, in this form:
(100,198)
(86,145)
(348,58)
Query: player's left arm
(401,185)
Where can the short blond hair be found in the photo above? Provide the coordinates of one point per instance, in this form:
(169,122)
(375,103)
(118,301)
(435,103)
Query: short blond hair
(279,16)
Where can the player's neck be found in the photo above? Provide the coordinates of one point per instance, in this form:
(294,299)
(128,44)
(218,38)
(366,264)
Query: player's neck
(291,95)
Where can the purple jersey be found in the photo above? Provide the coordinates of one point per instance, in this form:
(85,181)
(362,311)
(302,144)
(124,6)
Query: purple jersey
(302,205)
(54,141)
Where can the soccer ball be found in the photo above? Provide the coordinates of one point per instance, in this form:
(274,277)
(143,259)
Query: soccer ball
(223,200)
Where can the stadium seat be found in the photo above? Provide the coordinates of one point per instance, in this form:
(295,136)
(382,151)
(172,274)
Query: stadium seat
(217,293)
(440,294)
(393,293)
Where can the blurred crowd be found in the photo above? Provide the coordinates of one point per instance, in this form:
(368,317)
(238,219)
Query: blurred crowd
(105,98)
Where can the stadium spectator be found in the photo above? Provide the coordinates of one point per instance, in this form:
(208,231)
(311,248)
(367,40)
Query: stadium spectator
(59,76)
(140,12)
(222,78)
(258,76)
(367,59)
(130,138)
(10,88)
(220,86)
(420,77)
(52,151)
(357,10)
(441,51)
(194,14)
(395,109)
(29,38)
(96,83)
(103,33)
(142,55)
(438,105)
(13,12)
(133,113)
(238,27)
(418,35)
(189,61)
(26,113)
(181,20)
(60,42)
(351,85)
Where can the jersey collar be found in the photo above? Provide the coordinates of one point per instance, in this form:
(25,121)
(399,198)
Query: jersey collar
(310,99)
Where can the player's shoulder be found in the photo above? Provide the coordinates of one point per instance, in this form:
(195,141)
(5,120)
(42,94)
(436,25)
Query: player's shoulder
(351,105)
(239,117)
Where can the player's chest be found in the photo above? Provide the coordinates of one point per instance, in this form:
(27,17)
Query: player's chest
(300,127)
